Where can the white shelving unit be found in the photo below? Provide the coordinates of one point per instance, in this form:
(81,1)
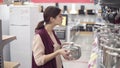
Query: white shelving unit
(4,39)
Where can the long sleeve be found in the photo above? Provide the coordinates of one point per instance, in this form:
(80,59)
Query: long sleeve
(38,50)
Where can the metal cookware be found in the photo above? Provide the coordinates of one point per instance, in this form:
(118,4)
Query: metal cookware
(75,51)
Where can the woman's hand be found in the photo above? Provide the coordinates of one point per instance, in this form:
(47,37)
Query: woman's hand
(65,53)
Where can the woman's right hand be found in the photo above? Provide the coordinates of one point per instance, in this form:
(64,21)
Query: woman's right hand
(65,53)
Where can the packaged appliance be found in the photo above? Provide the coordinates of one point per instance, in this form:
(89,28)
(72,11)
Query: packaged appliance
(23,20)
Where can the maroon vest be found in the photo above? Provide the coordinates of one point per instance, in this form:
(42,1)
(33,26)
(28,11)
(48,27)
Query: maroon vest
(48,44)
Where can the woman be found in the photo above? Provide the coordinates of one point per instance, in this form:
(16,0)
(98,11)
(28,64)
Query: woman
(46,48)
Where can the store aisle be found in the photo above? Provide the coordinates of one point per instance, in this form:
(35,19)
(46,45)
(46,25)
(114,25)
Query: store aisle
(84,39)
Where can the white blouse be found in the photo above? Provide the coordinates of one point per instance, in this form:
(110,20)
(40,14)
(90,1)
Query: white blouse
(39,50)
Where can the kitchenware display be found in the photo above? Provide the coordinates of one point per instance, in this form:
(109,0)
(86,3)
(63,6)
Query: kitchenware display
(108,46)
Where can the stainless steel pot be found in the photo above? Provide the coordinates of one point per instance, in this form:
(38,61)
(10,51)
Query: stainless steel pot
(75,51)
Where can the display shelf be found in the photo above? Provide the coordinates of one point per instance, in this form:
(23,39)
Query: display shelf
(85,32)
(8,64)
(5,39)
(111,3)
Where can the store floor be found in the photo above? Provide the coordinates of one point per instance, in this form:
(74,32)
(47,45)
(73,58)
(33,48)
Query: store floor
(84,39)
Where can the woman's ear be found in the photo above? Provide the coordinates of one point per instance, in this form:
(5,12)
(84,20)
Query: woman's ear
(51,19)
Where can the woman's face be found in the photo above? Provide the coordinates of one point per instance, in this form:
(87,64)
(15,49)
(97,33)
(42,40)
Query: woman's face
(58,19)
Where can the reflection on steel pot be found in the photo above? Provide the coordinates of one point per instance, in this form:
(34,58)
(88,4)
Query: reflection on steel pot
(75,51)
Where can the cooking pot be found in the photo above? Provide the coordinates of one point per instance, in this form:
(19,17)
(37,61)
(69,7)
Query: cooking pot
(75,51)
(111,17)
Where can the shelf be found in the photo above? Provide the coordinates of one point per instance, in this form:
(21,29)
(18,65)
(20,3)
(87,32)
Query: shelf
(111,3)
(8,64)
(87,22)
(86,32)
(6,39)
